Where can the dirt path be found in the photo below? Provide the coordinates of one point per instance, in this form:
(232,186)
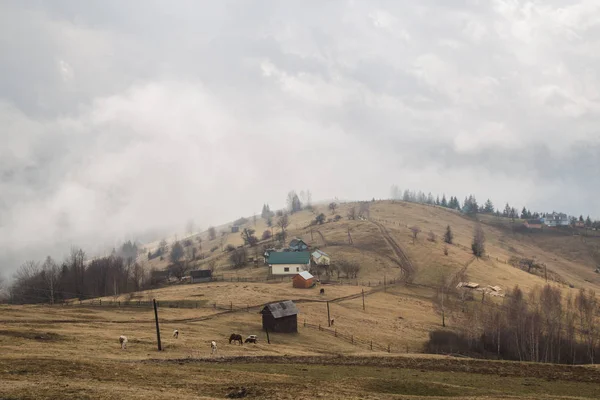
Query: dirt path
(408,270)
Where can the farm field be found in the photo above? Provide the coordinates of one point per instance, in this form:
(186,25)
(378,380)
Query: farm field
(72,351)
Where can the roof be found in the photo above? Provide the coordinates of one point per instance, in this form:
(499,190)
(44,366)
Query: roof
(281,309)
(201,273)
(306,275)
(289,257)
(297,241)
(319,254)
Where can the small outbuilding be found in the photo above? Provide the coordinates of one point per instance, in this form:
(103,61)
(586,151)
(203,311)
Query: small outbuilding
(201,275)
(321,258)
(298,244)
(280,317)
(303,280)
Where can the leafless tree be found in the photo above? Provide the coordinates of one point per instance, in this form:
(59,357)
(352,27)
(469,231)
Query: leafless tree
(415,232)
(138,276)
(212,266)
(283,222)
(238,257)
(363,210)
(351,213)
(432,237)
(349,268)
(212,233)
(333,206)
(51,276)
(478,245)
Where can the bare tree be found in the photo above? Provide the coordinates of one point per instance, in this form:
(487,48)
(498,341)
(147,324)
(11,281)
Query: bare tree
(363,210)
(283,222)
(238,257)
(333,206)
(351,213)
(51,276)
(478,245)
(349,268)
(212,233)
(177,253)
(415,232)
(212,266)
(432,237)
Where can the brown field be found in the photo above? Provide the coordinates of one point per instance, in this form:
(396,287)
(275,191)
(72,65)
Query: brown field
(72,351)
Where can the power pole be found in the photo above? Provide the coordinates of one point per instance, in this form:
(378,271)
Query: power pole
(157,328)
(328,317)
(349,237)
(268,339)
(363,296)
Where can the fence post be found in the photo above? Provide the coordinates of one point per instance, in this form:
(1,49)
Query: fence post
(371,345)
(305,322)
(319,326)
(389,349)
(100,301)
(352,338)
(119,303)
(231,306)
(335,332)
(157,328)
(215,306)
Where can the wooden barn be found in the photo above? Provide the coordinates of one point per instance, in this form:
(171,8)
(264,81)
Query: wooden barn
(201,275)
(280,317)
(303,280)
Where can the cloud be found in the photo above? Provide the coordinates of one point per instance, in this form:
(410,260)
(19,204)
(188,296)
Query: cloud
(125,119)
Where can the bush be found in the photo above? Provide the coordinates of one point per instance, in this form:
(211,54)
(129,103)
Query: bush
(229,248)
(214,248)
(279,213)
(337,218)
(187,243)
(266,235)
(240,222)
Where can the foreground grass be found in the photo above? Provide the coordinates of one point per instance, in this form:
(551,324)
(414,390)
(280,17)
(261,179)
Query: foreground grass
(292,378)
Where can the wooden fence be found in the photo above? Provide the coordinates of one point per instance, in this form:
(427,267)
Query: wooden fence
(368,344)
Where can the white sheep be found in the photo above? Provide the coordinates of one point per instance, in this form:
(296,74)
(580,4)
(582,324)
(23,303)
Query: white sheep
(176,334)
(123,341)
(213,347)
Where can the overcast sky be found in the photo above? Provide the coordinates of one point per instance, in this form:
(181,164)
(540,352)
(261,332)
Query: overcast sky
(123,117)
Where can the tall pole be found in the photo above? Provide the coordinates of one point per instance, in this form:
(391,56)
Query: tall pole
(363,296)
(157,328)
(268,339)
(328,317)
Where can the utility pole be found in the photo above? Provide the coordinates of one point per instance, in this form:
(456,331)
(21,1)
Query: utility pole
(157,328)
(268,340)
(363,296)
(328,317)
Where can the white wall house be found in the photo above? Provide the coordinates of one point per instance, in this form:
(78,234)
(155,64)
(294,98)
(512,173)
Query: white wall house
(288,263)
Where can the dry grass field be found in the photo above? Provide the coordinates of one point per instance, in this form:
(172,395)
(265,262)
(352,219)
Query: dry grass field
(72,351)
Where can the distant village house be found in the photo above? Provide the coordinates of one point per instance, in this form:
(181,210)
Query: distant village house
(280,317)
(288,263)
(298,245)
(321,258)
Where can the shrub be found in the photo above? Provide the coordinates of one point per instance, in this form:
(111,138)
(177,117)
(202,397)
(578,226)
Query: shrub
(229,248)
(214,248)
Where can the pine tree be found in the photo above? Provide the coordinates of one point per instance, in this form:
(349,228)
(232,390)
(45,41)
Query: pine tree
(444,202)
(506,212)
(588,222)
(437,200)
(448,236)
(581,218)
(489,207)
(524,213)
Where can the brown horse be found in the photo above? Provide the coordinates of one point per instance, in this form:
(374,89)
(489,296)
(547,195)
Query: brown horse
(236,338)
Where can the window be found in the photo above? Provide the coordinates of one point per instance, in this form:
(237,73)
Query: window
(286,269)
(297,269)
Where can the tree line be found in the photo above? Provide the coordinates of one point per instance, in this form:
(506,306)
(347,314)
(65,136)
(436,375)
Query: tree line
(471,206)
(546,327)
(51,282)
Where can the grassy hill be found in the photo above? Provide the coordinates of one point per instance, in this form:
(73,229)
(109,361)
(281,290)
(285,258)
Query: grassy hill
(397,316)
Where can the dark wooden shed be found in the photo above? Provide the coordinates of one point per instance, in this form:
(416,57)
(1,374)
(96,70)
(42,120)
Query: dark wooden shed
(280,317)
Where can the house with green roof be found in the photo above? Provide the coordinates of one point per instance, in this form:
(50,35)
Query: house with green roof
(288,262)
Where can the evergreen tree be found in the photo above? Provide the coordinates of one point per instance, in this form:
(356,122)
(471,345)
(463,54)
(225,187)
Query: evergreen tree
(430,199)
(524,213)
(437,201)
(444,202)
(456,203)
(506,212)
(588,222)
(581,218)
(448,236)
(489,207)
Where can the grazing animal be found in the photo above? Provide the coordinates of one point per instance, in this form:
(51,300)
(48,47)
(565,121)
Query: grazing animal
(123,341)
(322,291)
(213,347)
(251,339)
(176,334)
(236,338)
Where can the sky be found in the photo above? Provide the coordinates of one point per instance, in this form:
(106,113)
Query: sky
(125,120)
